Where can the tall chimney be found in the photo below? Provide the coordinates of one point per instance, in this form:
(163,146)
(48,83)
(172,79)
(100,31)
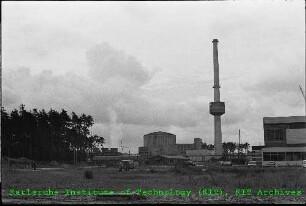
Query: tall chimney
(217,108)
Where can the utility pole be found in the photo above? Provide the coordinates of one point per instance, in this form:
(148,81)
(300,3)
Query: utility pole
(74,156)
(239,147)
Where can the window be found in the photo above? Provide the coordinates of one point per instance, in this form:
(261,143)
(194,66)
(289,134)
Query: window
(270,135)
(279,135)
(289,156)
(304,155)
(273,156)
(284,156)
(281,156)
(297,156)
(266,156)
(297,125)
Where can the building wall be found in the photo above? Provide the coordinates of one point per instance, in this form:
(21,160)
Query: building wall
(296,136)
(275,135)
(110,151)
(143,151)
(166,150)
(163,143)
(199,152)
(198,143)
(283,131)
(181,148)
(159,139)
(284,156)
(256,155)
(200,156)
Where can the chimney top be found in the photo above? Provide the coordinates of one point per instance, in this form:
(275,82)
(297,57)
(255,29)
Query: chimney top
(215,40)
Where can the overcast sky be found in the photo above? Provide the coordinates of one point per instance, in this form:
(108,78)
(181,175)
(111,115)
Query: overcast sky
(140,67)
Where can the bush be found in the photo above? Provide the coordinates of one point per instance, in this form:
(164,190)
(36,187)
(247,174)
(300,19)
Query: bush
(88,174)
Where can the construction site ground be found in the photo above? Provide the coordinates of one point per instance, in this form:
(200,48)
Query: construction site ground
(149,177)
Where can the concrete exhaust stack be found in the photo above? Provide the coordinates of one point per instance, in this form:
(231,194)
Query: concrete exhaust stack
(217,108)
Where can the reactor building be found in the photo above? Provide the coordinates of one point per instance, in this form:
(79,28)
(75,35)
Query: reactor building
(164,143)
(217,108)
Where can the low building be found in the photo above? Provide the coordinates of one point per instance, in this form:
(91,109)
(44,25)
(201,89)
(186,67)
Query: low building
(110,152)
(166,160)
(200,156)
(143,151)
(113,160)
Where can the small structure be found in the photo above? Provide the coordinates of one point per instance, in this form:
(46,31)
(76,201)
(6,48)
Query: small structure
(110,152)
(200,156)
(113,160)
(34,165)
(256,154)
(167,160)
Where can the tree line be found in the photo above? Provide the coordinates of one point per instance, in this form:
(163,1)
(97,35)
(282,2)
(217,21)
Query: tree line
(45,136)
(229,149)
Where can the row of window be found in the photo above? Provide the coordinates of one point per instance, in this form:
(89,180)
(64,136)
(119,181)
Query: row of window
(294,125)
(284,156)
(297,125)
(275,135)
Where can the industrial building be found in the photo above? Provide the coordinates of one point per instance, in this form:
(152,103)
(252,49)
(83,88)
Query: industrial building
(285,140)
(164,144)
(158,143)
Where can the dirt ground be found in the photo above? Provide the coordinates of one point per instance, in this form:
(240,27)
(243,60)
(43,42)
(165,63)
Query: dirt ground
(226,178)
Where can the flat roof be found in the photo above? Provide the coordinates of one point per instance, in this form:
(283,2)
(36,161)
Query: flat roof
(277,120)
(257,147)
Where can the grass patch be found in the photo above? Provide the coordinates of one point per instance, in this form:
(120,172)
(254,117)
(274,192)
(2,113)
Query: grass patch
(186,169)
(227,178)
(88,174)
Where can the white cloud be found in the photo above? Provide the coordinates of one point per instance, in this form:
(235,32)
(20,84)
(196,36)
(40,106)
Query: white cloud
(261,55)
